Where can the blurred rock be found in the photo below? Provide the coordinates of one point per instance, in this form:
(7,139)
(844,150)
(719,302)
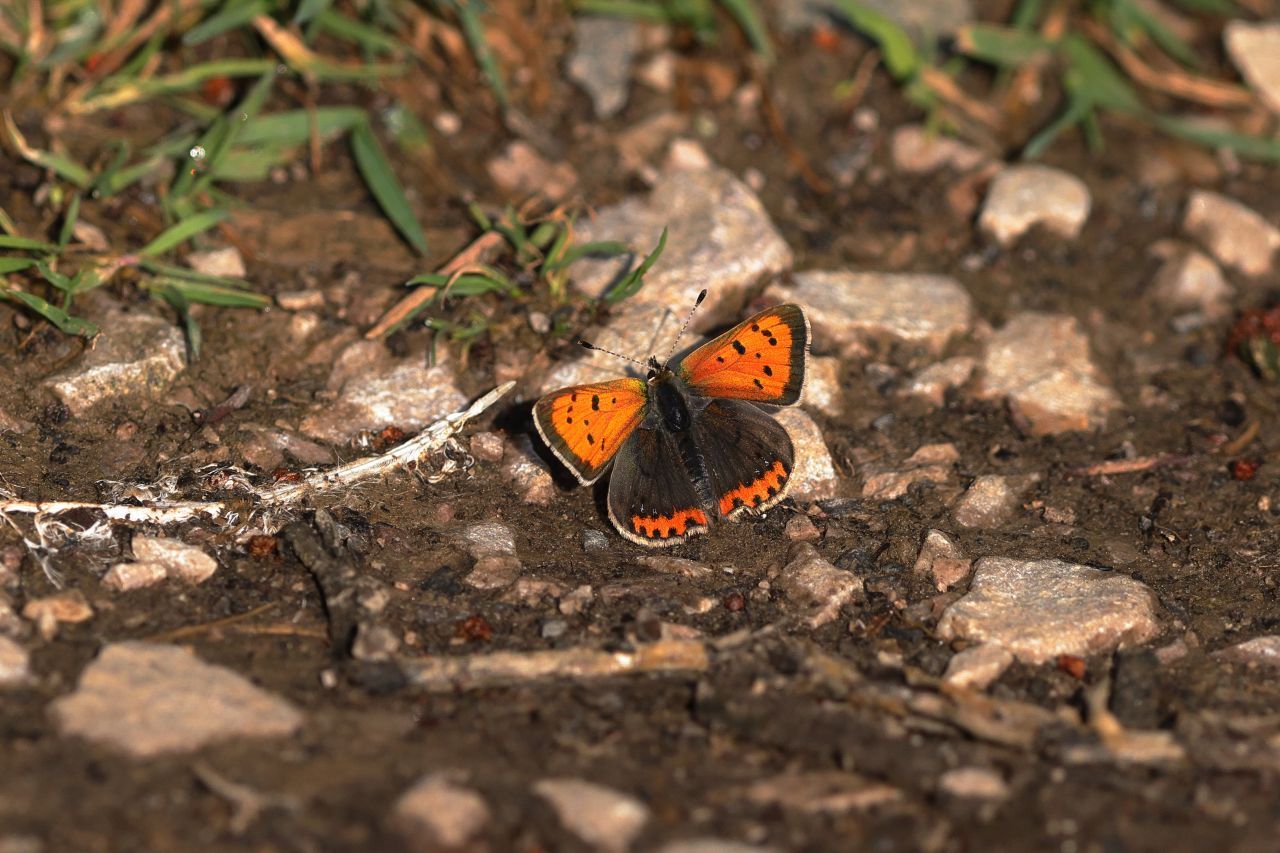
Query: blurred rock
(815,587)
(1234,234)
(1192,281)
(374,643)
(813,477)
(640,145)
(1041,363)
(822,385)
(831,792)
(521,172)
(487,447)
(1254,49)
(603,50)
(265,447)
(529,476)
(941,559)
(375,392)
(1040,609)
(63,608)
(1022,197)
(600,817)
(126,577)
(916,151)
(977,667)
(489,539)
(495,572)
(676,566)
(145,699)
(932,463)
(932,383)
(800,528)
(851,308)
(15,663)
(137,356)
(1260,650)
(187,563)
(438,813)
(992,499)
(636,329)
(221,262)
(8,423)
(659,71)
(719,237)
(713,845)
(974,783)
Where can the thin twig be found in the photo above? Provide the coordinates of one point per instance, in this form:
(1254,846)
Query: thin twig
(1129,466)
(192,630)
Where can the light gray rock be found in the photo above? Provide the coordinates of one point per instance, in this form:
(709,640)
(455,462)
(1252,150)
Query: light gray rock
(973,783)
(225,262)
(529,476)
(932,463)
(831,792)
(813,476)
(15,663)
(676,566)
(9,423)
(850,309)
(720,237)
(916,151)
(822,385)
(815,587)
(1234,234)
(145,699)
(187,563)
(1192,281)
(1039,609)
(1261,650)
(521,172)
(1041,364)
(941,559)
(1022,197)
(991,500)
(1254,49)
(489,539)
(136,357)
(977,667)
(495,572)
(603,49)
(406,395)
(600,817)
(437,812)
(932,383)
(126,577)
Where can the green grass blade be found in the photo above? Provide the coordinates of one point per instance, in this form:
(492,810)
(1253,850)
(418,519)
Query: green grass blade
(748,18)
(180,303)
(473,32)
(65,322)
(1216,7)
(63,167)
(69,221)
(8,265)
(899,53)
(1075,113)
(308,10)
(636,9)
(1091,75)
(25,244)
(1000,46)
(385,186)
(370,39)
(210,294)
(183,231)
(232,16)
(630,285)
(602,248)
(1168,41)
(293,127)
(1250,147)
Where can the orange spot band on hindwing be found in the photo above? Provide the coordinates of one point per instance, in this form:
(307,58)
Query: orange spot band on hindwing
(757,491)
(666,526)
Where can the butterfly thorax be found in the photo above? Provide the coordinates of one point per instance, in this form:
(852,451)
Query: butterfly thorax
(669,400)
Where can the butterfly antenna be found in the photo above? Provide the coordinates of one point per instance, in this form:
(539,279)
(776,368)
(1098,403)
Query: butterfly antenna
(591,346)
(685,325)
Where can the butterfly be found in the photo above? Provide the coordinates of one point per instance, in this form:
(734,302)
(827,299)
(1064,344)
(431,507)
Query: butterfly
(688,443)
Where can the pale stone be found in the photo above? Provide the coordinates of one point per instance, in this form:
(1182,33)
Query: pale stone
(1022,197)
(992,499)
(1254,48)
(145,699)
(937,545)
(529,476)
(850,309)
(49,612)
(822,385)
(136,357)
(227,262)
(1192,281)
(1261,650)
(125,577)
(932,383)
(1234,234)
(813,476)
(489,539)
(438,812)
(600,62)
(185,562)
(713,845)
(917,151)
(932,463)
(1041,363)
(408,396)
(1040,609)
(719,237)
(831,792)
(520,171)
(15,663)
(600,817)
(495,572)
(816,587)
(974,783)
(676,566)
(977,666)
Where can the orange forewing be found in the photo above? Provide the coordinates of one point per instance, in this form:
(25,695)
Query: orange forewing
(586,424)
(762,359)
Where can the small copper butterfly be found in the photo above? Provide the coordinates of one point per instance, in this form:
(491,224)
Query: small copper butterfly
(688,443)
